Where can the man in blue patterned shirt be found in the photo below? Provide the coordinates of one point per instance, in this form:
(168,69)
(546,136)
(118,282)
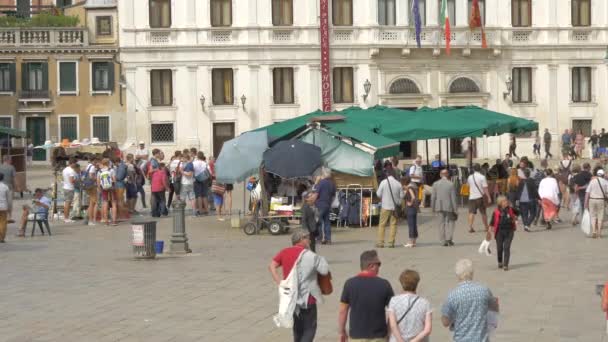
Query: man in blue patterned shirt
(466,308)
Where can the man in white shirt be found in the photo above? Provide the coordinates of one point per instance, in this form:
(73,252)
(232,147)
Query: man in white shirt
(69,178)
(478,189)
(416,172)
(390,192)
(595,201)
(142,152)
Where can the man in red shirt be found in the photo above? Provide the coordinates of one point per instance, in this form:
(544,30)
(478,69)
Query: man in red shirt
(307,264)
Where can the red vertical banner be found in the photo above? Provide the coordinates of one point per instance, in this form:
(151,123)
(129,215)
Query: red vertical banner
(325,70)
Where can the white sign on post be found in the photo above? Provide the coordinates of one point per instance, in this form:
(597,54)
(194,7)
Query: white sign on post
(138,235)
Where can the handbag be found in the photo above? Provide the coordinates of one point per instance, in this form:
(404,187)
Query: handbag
(398,212)
(325,283)
(408,310)
(484,198)
(218,189)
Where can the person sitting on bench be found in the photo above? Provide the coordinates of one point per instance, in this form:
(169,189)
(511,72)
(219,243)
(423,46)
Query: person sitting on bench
(39,211)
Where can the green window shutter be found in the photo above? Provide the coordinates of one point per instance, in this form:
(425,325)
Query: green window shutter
(45,76)
(110,76)
(13,76)
(25,70)
(67,76)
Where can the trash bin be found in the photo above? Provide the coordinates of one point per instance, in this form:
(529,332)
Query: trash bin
(144,239)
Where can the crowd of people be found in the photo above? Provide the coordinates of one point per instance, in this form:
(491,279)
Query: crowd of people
(572,143)
(368,303)
(113,185)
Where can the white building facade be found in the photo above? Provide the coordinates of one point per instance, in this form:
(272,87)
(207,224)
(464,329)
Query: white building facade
(200,72)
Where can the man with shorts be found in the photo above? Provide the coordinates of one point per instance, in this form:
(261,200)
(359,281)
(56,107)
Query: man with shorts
(478,189)
(201,188)
(39,211)
(69,179)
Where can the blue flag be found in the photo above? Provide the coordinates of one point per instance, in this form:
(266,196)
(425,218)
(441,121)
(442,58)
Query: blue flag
(417,21)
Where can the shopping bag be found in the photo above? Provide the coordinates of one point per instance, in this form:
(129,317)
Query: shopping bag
(492,322)
(586,223)
(485,247)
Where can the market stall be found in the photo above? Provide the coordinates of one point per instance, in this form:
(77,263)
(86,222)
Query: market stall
(16,148)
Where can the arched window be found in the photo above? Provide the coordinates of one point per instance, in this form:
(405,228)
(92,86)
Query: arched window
(464,85)
(404,86)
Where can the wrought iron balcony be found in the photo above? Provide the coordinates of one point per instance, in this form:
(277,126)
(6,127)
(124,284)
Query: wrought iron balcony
(34,94)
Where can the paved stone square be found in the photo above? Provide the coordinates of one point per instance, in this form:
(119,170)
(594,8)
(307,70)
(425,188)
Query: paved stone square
(82,284)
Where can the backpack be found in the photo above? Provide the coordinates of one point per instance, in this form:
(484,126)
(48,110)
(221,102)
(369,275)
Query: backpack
(203,176)
(121,172)
(105,180)
(87,181)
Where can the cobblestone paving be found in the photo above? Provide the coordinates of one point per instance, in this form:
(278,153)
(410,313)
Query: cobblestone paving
(82,284)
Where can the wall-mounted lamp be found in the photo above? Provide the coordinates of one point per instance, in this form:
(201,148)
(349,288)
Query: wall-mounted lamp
(367,86)
(203,102)
(509,84)
(243,100)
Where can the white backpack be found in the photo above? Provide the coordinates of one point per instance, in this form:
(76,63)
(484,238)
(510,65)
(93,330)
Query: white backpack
(105,180)
(288,296)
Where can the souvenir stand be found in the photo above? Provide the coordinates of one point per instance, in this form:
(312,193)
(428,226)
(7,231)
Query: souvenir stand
(15,146)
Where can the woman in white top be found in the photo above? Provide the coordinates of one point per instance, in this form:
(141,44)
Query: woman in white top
(410,316)
(549,193)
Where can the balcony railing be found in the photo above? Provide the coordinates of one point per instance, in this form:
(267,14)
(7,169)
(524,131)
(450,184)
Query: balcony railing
(101,3)
(34,94)
(43,37)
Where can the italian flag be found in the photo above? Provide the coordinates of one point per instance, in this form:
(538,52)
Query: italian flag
(444,18)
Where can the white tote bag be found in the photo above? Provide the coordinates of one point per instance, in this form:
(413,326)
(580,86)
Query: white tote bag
(586,223)
(288,296)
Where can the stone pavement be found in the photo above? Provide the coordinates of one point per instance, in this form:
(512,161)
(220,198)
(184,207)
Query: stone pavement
(82,284)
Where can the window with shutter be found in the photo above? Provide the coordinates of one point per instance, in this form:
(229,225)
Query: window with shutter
(68,127)
(282,12)
(482,10)
(160,13)
(581,84)
(343,85)
(221,13)
(522,85)
(521,13)
(421,8)
(67,78)
(386,12)
(102,76)
(161,86)
(342,12)
(283,85)
(581,12)
(5,77)
(222,87)
(101,128)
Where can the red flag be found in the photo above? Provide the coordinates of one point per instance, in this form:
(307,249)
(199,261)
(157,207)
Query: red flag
(448,37)
(475,21)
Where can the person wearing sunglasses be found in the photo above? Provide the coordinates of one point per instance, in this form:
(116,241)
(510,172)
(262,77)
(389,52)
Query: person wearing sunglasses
(364,300)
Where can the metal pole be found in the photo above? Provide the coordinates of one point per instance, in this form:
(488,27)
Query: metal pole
(426,142)
(471,152)
(447,151)
(439,151)
(179,238)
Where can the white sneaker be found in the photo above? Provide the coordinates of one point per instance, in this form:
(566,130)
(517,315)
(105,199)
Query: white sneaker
(69,221)
(92,224)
